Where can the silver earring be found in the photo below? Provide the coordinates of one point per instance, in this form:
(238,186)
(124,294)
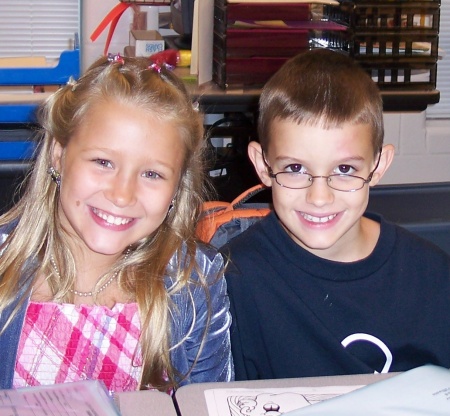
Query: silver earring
(55,175)
(172,204)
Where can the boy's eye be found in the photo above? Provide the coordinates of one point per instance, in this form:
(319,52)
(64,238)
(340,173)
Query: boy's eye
(295,168)
(150,174)
(103,162)
(345,170)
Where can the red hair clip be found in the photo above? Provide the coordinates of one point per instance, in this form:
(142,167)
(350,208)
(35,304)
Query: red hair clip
(167,59)
(112,58)
(156,67)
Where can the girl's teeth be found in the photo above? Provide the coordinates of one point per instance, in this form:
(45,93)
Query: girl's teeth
(111,219)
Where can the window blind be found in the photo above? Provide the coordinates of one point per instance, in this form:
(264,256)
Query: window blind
(38,27)
(442,109)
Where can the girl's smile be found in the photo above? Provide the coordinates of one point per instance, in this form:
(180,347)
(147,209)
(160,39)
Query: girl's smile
(113,193)
(102,217)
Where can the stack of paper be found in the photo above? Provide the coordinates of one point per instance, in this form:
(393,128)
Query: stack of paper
(422,391)
(81,398)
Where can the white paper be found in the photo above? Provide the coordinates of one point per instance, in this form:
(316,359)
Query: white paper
(81,398)
(194,42)
(202,40)
(422,391)
(261,401)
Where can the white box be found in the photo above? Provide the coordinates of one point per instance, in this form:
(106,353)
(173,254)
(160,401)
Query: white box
(146,42)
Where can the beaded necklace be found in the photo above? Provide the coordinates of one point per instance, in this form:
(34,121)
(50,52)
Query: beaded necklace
(91,293)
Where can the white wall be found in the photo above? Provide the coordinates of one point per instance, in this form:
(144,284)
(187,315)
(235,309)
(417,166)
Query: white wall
(93,12)
(422,147)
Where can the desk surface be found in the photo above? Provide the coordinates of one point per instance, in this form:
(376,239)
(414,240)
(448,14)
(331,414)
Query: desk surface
(191,399)
(148,403)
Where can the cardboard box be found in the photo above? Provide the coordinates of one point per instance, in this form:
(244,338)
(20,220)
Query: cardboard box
(146,42)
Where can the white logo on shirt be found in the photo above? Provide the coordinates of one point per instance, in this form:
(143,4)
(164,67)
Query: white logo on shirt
(374,340)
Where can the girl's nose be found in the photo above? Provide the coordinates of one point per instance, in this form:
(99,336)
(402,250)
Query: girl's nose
(122,191)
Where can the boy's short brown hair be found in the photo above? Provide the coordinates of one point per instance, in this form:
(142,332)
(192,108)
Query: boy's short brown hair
(321,87)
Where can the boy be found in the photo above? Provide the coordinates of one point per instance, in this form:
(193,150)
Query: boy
(318,288)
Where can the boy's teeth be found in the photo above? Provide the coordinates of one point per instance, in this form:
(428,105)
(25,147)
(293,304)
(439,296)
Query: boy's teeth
(319,219)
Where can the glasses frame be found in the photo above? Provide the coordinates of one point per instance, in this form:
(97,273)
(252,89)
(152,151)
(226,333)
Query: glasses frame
(327,177)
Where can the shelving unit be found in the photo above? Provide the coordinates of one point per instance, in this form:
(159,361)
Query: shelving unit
(17,117)
(23,112)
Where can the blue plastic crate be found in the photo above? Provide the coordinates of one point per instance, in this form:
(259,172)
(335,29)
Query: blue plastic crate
(67,67)
(17,150)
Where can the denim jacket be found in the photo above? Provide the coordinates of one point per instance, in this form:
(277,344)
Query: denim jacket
(188,316)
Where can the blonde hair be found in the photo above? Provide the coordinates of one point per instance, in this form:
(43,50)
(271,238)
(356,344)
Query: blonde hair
(38,233)
(321,87)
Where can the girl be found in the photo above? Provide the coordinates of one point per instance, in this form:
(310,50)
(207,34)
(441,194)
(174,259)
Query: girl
(101,274)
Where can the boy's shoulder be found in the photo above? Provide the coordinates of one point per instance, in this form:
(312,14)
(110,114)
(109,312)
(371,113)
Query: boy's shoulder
(407,237)
(409,243)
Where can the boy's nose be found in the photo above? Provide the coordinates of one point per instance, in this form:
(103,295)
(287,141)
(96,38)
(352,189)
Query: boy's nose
(319,193)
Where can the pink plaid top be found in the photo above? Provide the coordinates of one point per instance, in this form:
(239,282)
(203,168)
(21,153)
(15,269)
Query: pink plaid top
(64,342)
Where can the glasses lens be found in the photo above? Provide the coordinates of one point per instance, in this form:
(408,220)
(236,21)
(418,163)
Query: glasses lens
(294,180)
(345,183)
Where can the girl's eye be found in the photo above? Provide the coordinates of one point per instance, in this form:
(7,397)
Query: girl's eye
(103,162)
(151,175)
(295,168)
(345,170)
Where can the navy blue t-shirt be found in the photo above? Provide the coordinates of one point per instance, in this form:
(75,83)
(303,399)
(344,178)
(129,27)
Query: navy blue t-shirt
(298,315)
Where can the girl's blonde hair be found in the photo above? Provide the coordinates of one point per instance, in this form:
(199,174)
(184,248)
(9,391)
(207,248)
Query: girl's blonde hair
(38,233)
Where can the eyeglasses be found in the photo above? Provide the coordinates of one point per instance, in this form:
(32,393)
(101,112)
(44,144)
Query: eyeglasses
(337,181)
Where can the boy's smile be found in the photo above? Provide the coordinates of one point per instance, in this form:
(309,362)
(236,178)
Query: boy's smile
(325,221)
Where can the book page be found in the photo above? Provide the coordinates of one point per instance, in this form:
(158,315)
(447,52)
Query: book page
(82,398)
(240,401)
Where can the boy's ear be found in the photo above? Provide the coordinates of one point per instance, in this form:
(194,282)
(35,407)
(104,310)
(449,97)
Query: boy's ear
(387,155)
(57,153)
(255,154)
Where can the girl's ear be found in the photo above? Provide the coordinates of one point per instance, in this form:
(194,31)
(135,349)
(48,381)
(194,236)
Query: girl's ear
(255,154)
(387,155)
(57,153)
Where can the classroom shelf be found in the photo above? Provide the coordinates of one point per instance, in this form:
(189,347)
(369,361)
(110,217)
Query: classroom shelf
(23,112)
